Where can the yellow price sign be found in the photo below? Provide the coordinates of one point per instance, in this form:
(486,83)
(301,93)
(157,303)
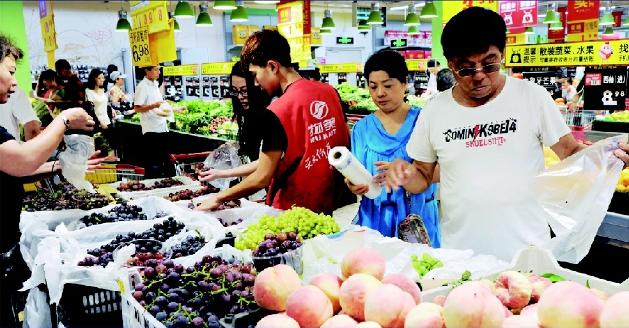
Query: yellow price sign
(182,70)
(139,44)
(451,8)
(341,68)
(592,53)
(153,14)
(316,36)
(216,68)
(48,32)
(416,65)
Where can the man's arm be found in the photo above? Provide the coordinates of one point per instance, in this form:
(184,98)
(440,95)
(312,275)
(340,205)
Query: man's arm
(146,108)
(31,130)
(415,177)
(567,146)
(260,178)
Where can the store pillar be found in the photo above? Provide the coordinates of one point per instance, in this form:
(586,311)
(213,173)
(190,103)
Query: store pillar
(437,29)
(12,25)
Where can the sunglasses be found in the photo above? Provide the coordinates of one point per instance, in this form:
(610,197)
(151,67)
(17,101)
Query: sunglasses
(489,68)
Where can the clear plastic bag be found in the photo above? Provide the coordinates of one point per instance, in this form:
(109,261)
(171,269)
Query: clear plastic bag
(79,148)
(575,193)
(224,157)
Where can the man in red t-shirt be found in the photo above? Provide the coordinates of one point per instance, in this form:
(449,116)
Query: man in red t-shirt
(301,127)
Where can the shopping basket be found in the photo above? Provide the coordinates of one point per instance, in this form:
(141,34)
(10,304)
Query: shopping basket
(108,173)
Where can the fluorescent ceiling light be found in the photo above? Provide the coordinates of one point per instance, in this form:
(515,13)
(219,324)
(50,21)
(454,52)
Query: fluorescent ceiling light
(398,8)
(420,4)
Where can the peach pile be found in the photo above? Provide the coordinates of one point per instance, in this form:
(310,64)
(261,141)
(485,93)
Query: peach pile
(365,298)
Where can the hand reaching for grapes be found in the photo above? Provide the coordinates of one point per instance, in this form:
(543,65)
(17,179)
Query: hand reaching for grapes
(209,204)
(211,175)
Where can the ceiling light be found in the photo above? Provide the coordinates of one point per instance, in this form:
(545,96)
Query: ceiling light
(239,14)
(266,2)
(557,26)
(529,30)
(224,5)
(328,22)
(204,19)
(626,23)
(183,10)
(362,26)
(123,24)
(326,32)
(413,30)
(429,11)
(551,17)
(176,27)
(374,17)
(607,20)
(411,19)
(608,31)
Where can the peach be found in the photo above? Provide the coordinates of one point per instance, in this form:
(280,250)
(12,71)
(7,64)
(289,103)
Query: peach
(354,291)
(601,294)
(513,289)
(615,312)
(490,284)
(406,284)
(569,304)
(340,321)
(369,324)
(538,286)
(363,260)
(439,300)
(330,284)
(473,305)
(388,305)
(425,315)
(508,312)
(277,321)
(309,306)
(530,311)
(518,321)
(274,285)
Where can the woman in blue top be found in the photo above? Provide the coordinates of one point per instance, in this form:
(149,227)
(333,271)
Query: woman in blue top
(381,137)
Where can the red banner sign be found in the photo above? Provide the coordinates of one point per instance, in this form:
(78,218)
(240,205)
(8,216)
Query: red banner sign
(306,19)
(518,13)
(617,18)
(583,9)
(284,15)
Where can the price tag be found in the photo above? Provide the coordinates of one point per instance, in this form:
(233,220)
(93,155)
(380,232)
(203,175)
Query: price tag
(140,50)
(182,70)
(416,65)
(48,32)
(216,68)
(153,14)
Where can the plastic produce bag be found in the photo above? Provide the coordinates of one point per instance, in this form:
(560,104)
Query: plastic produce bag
(223,158)
(74,160)
(37,310)
(575,193)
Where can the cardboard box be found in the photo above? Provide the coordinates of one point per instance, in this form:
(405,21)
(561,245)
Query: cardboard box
(240,33)
(252,29)
(428,39)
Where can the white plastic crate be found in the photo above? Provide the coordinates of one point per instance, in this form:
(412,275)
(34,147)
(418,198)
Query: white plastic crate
(160,192)
(541,261)
(580,118)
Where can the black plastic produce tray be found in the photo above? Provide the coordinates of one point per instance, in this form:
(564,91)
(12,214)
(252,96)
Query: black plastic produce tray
(85,306)
(619,203)
(606,126)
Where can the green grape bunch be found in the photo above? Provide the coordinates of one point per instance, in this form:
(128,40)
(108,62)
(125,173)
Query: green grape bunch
(302,221)
(426,264)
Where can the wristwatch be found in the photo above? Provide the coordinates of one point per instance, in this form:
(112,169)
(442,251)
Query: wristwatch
(66,121)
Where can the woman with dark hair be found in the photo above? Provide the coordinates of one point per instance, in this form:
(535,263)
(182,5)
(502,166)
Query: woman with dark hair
(95,94)
(249,101)
(55,92)
(380,138)
(109,82)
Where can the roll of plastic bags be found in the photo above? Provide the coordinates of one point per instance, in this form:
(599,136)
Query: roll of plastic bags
(575,194)
(349,166)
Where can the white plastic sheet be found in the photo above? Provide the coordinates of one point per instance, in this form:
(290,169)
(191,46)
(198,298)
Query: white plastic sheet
(37,310)
(575,194)
(224,157)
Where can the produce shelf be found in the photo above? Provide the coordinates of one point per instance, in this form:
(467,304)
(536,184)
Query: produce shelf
(615,226)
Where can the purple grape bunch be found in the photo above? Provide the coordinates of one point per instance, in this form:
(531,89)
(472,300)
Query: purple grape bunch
(122,212)
(278,244)
(197,296)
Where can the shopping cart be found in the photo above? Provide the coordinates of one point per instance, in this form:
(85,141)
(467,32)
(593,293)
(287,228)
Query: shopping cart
(579,120)
(185,164)
(108,173)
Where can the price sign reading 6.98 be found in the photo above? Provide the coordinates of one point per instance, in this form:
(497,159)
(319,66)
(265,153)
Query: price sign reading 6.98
(140,50)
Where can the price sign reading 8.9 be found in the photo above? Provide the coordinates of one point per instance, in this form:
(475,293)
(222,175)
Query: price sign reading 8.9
(139,44)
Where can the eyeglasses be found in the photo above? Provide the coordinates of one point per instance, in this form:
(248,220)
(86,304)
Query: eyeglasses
(235,93)
(489,68)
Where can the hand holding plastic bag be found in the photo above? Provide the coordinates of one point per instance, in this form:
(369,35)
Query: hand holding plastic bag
(575,193)
(224,157)
(79,148)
